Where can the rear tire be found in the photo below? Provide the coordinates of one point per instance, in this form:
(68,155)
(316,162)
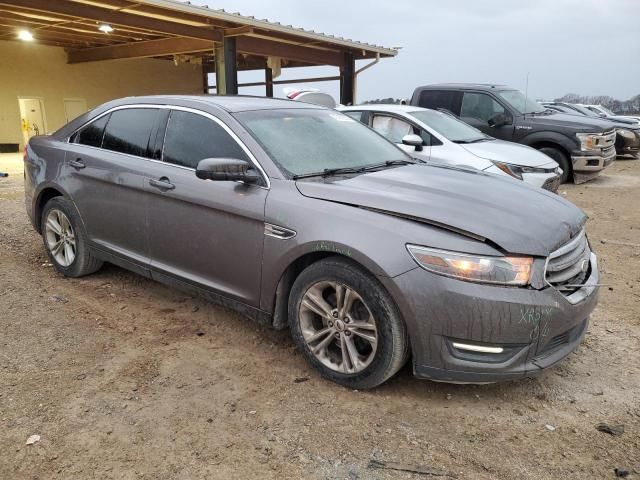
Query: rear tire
(346,324)
(65,239)
(561,159)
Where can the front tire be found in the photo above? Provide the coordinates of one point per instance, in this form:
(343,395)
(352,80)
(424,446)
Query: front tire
(346,324)
(65,239)
(561,159)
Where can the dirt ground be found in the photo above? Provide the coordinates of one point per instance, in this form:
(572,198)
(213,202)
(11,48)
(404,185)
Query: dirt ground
(124,378)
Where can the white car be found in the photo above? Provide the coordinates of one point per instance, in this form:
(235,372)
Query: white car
(439,136)
(600,110)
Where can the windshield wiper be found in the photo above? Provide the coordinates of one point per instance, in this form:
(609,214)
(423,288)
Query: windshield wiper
(473,140)
(338,171)
(330,171)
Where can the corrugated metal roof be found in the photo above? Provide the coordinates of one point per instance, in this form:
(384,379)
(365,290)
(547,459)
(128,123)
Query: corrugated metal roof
(221,14)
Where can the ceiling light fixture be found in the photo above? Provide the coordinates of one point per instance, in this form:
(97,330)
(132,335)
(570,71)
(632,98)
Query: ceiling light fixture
(25,35)
(105,28)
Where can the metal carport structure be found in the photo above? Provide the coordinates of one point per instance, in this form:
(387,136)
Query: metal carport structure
(219,41)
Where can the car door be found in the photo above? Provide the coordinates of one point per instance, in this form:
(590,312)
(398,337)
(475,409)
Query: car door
(478,108)
(394,129)
(206,233)
(106,163)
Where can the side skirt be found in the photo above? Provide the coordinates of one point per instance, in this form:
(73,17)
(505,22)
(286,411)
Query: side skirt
(255,314)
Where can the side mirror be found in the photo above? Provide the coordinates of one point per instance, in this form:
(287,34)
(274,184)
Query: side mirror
(498,120)
(226,169)
(413,141)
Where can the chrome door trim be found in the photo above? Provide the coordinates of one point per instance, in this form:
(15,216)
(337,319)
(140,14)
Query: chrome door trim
(215,119)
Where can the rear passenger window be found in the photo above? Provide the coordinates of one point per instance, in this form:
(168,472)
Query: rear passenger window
(436,99)
(128,131)
(91,134)
(191,137)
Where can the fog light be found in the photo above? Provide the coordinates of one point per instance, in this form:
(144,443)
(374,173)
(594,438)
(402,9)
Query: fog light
(477,348)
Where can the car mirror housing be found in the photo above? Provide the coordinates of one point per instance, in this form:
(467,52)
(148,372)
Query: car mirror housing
(498,120)
(413,141)
(226,169)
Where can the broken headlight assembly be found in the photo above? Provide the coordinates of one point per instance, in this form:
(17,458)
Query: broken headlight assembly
(516,171)
(511,271)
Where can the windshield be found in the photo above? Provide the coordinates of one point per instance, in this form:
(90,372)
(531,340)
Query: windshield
(449,127)
(304,141)
(585,111)
(605,110)
(518,101)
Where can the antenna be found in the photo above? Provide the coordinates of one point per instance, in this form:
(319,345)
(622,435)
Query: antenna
(526,95)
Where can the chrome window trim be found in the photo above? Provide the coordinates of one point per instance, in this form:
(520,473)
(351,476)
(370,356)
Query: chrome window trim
(215,119)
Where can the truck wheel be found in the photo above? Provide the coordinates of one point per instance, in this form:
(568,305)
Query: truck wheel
(346,325)
(65,239)
(562,160)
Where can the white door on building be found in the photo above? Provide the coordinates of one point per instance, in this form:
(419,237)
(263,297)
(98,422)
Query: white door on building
(32,117)
(74,107)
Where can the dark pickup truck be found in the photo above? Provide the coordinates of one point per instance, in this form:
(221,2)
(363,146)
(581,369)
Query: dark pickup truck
(582,146)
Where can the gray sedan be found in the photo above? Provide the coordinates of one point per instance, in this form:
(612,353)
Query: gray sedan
(301,217)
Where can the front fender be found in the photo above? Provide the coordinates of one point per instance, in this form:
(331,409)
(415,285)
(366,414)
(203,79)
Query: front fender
(550,137)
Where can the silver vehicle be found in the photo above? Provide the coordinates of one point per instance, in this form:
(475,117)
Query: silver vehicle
(298,216)
(605,112)
(433,135)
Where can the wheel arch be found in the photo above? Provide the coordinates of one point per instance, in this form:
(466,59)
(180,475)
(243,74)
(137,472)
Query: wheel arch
(42,198)
(280,300)
(540,140)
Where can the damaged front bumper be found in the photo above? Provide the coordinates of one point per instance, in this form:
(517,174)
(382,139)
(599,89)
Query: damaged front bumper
(464,332)
(587,165)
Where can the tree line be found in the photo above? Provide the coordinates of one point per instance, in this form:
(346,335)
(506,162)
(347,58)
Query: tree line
(618,106)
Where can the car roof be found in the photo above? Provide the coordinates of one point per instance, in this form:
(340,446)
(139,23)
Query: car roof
(463,86)
(383,107)
(229,103)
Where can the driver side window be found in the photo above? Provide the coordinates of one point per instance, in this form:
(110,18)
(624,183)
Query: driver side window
(479,106)
(393,129)
(190,138)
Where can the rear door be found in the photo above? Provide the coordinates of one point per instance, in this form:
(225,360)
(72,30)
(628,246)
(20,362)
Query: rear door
(107,162)
(207,233)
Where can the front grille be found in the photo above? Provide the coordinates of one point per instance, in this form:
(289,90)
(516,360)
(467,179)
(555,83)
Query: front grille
(570,264)
(606,140)
(552,184)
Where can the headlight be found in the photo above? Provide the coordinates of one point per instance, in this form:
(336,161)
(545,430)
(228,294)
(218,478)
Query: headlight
(588,141)
(516,171)
(515,271)
(512,170)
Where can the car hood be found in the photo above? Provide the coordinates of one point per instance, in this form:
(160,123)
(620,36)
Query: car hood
(577,122)
(517,217)
(509,152)
(625,120)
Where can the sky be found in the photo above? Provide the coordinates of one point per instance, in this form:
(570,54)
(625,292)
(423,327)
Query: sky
(588,47)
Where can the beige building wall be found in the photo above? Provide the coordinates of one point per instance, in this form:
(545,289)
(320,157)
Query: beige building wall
(30,70)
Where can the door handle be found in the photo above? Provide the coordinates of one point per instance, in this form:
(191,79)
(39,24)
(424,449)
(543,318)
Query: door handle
(162,183)
(77,163)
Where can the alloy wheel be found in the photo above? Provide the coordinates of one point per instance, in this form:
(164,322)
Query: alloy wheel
(61,240)
(338,327)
